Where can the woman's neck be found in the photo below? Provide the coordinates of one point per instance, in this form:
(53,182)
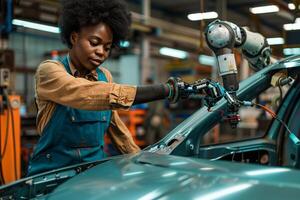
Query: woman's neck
(76,63)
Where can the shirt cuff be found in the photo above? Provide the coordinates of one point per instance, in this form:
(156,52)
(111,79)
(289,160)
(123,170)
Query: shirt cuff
(122,96)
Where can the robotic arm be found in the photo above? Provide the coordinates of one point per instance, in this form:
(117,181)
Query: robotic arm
(211,90)
(222,37)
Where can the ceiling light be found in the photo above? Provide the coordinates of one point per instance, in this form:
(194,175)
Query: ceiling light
(173,52)
(264,9)
(36,26)
(291,6)
(124,44)
(291,51)
(275,41)
(290,27)
(207,60)
(201,16)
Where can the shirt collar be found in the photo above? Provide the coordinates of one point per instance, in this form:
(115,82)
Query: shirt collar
(74,71)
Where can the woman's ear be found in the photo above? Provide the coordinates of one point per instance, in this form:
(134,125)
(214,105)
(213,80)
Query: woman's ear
(73,38)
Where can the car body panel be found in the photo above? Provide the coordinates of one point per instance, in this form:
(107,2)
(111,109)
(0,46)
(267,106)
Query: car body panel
(152,176)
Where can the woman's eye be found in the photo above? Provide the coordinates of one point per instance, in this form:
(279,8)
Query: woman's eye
(93,43)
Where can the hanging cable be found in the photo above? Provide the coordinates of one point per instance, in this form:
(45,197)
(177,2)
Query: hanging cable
(277,100)
(5,138)
(14,141)
(280,93)
(202,24)
(273,114)
(2,181)
(265,108)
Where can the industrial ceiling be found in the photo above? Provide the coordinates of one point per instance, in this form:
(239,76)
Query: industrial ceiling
(171,15)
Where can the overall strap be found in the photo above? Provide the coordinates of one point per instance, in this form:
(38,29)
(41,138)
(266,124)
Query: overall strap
(101,75)
(65,61)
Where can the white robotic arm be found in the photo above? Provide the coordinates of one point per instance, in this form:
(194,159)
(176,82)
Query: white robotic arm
(256,50)
(222,37)
(223,34)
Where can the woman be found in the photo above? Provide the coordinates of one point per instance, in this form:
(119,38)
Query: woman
(77,99)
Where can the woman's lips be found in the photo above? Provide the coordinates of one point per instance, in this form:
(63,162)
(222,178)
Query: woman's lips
(96,62)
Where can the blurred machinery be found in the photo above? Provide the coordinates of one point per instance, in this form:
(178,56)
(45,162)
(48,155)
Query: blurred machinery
(10,146)
(134,119)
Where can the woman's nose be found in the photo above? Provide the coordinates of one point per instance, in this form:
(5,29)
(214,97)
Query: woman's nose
(100,50)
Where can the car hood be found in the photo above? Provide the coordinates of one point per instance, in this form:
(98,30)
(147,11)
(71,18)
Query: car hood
(154,176)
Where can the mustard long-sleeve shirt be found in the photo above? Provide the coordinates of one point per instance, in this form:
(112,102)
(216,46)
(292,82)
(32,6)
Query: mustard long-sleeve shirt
(54,85)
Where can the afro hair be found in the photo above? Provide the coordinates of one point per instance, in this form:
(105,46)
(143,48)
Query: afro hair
(80,13)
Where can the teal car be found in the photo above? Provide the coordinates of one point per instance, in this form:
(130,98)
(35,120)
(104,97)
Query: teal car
(180,166)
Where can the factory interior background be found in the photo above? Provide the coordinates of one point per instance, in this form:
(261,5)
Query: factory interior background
(165,40)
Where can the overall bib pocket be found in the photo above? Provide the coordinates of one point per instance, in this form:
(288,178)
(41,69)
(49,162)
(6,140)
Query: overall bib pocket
(89,127)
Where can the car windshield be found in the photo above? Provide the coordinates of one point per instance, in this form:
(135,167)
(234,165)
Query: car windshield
(210,127)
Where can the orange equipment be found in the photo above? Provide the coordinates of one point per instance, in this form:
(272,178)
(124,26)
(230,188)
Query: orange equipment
(133,119)
(10,145)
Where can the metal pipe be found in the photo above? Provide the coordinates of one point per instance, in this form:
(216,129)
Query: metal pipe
(145,46)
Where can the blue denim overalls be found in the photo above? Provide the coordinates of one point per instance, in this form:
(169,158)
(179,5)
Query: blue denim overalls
(71,136)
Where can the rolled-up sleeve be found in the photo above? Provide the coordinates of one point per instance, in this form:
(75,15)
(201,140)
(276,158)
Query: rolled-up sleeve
(55,84)
(122,95)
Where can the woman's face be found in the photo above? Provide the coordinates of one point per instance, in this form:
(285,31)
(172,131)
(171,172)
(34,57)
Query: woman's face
(91,46)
